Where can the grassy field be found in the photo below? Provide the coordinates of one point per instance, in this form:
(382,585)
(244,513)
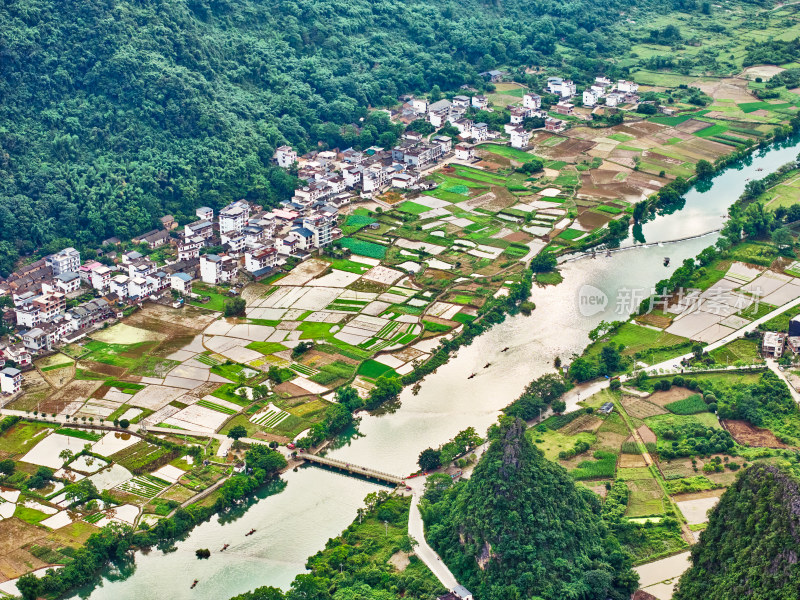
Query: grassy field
(508,152)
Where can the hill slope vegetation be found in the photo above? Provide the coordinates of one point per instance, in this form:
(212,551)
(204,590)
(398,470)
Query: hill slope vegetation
(115,112)
(750,548)
(521,528)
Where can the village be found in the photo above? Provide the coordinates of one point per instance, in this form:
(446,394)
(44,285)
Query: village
(248,320)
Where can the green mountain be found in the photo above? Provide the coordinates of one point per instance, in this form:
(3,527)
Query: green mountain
(521,528)
(750,548)
(114,112)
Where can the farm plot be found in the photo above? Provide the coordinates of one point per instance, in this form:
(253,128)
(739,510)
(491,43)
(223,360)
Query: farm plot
(146,486)
(138,456)
(199,417)
(46,453)
(270,417)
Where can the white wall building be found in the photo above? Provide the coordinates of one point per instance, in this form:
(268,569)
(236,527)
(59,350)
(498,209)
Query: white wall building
(589,98)
(181,282)
(234,216)
(285,156)
(216,269)
(520,138)
(10,380)
(64,261)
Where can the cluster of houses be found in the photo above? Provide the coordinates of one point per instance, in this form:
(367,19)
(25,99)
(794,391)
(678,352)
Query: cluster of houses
(332,177)
(774,343)
(623,92)
(45,294)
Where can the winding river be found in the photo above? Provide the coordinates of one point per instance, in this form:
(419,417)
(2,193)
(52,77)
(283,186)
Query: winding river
(317,504)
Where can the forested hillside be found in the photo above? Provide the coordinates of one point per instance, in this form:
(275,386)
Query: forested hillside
(115,111)
(750,548)
(521,528)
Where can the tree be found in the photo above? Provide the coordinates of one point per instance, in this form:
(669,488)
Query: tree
(301,349)
(386,389)
(532,166)
(235,307)
(697,351)
(429,460)
(558,406)
(582,369)
(782,237)
(7,466)
(237,432)
(543,262)
(348,396)
(124,423)
(65,455)
(704,169)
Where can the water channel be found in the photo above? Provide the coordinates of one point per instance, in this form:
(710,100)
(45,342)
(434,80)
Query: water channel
(317,504)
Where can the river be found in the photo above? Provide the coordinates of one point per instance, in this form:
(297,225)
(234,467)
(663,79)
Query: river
(317,504)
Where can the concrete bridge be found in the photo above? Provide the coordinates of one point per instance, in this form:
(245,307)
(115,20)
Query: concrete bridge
(351,468)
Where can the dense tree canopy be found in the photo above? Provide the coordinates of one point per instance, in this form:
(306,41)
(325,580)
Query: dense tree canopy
(116,112)
(521,528)
(749,549)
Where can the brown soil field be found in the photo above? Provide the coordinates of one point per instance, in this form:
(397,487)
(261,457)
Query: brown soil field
(14,560)
(610,440)
(570,148)
(639,408)
(518,236)
(647,434)
(588,423)
(672,395)
(592,220)
(655,320)
(748,435)
(102,368)
(190,317)
(692,126)
(677,467)
(59,377)
(631,460)
(75,391)
(294,391)
(315,358)
(734,89)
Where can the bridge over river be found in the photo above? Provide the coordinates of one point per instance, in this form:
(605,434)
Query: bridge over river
(353,469)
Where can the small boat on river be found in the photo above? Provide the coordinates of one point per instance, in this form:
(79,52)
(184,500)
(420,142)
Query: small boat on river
(666,261)
(487,365)
(225,547)
(251,532)
(194,583)
(504,349)
(471,376)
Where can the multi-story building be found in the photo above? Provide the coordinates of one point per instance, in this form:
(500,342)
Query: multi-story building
(215,269)
(100,278)
(627,87)
(119,286)
(321,228)
(64,261)
(590,97)
(285,157)
(532,101)
(181,282)
(480,102)
(10,380)
(258,261)
(234,216)
(67,282)
(520,138)
(205,213)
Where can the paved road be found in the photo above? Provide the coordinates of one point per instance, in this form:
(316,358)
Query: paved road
(416,530)
(773,366)
(667,364)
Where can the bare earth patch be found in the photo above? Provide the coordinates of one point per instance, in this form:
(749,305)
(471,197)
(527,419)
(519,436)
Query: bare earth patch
(748,435)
